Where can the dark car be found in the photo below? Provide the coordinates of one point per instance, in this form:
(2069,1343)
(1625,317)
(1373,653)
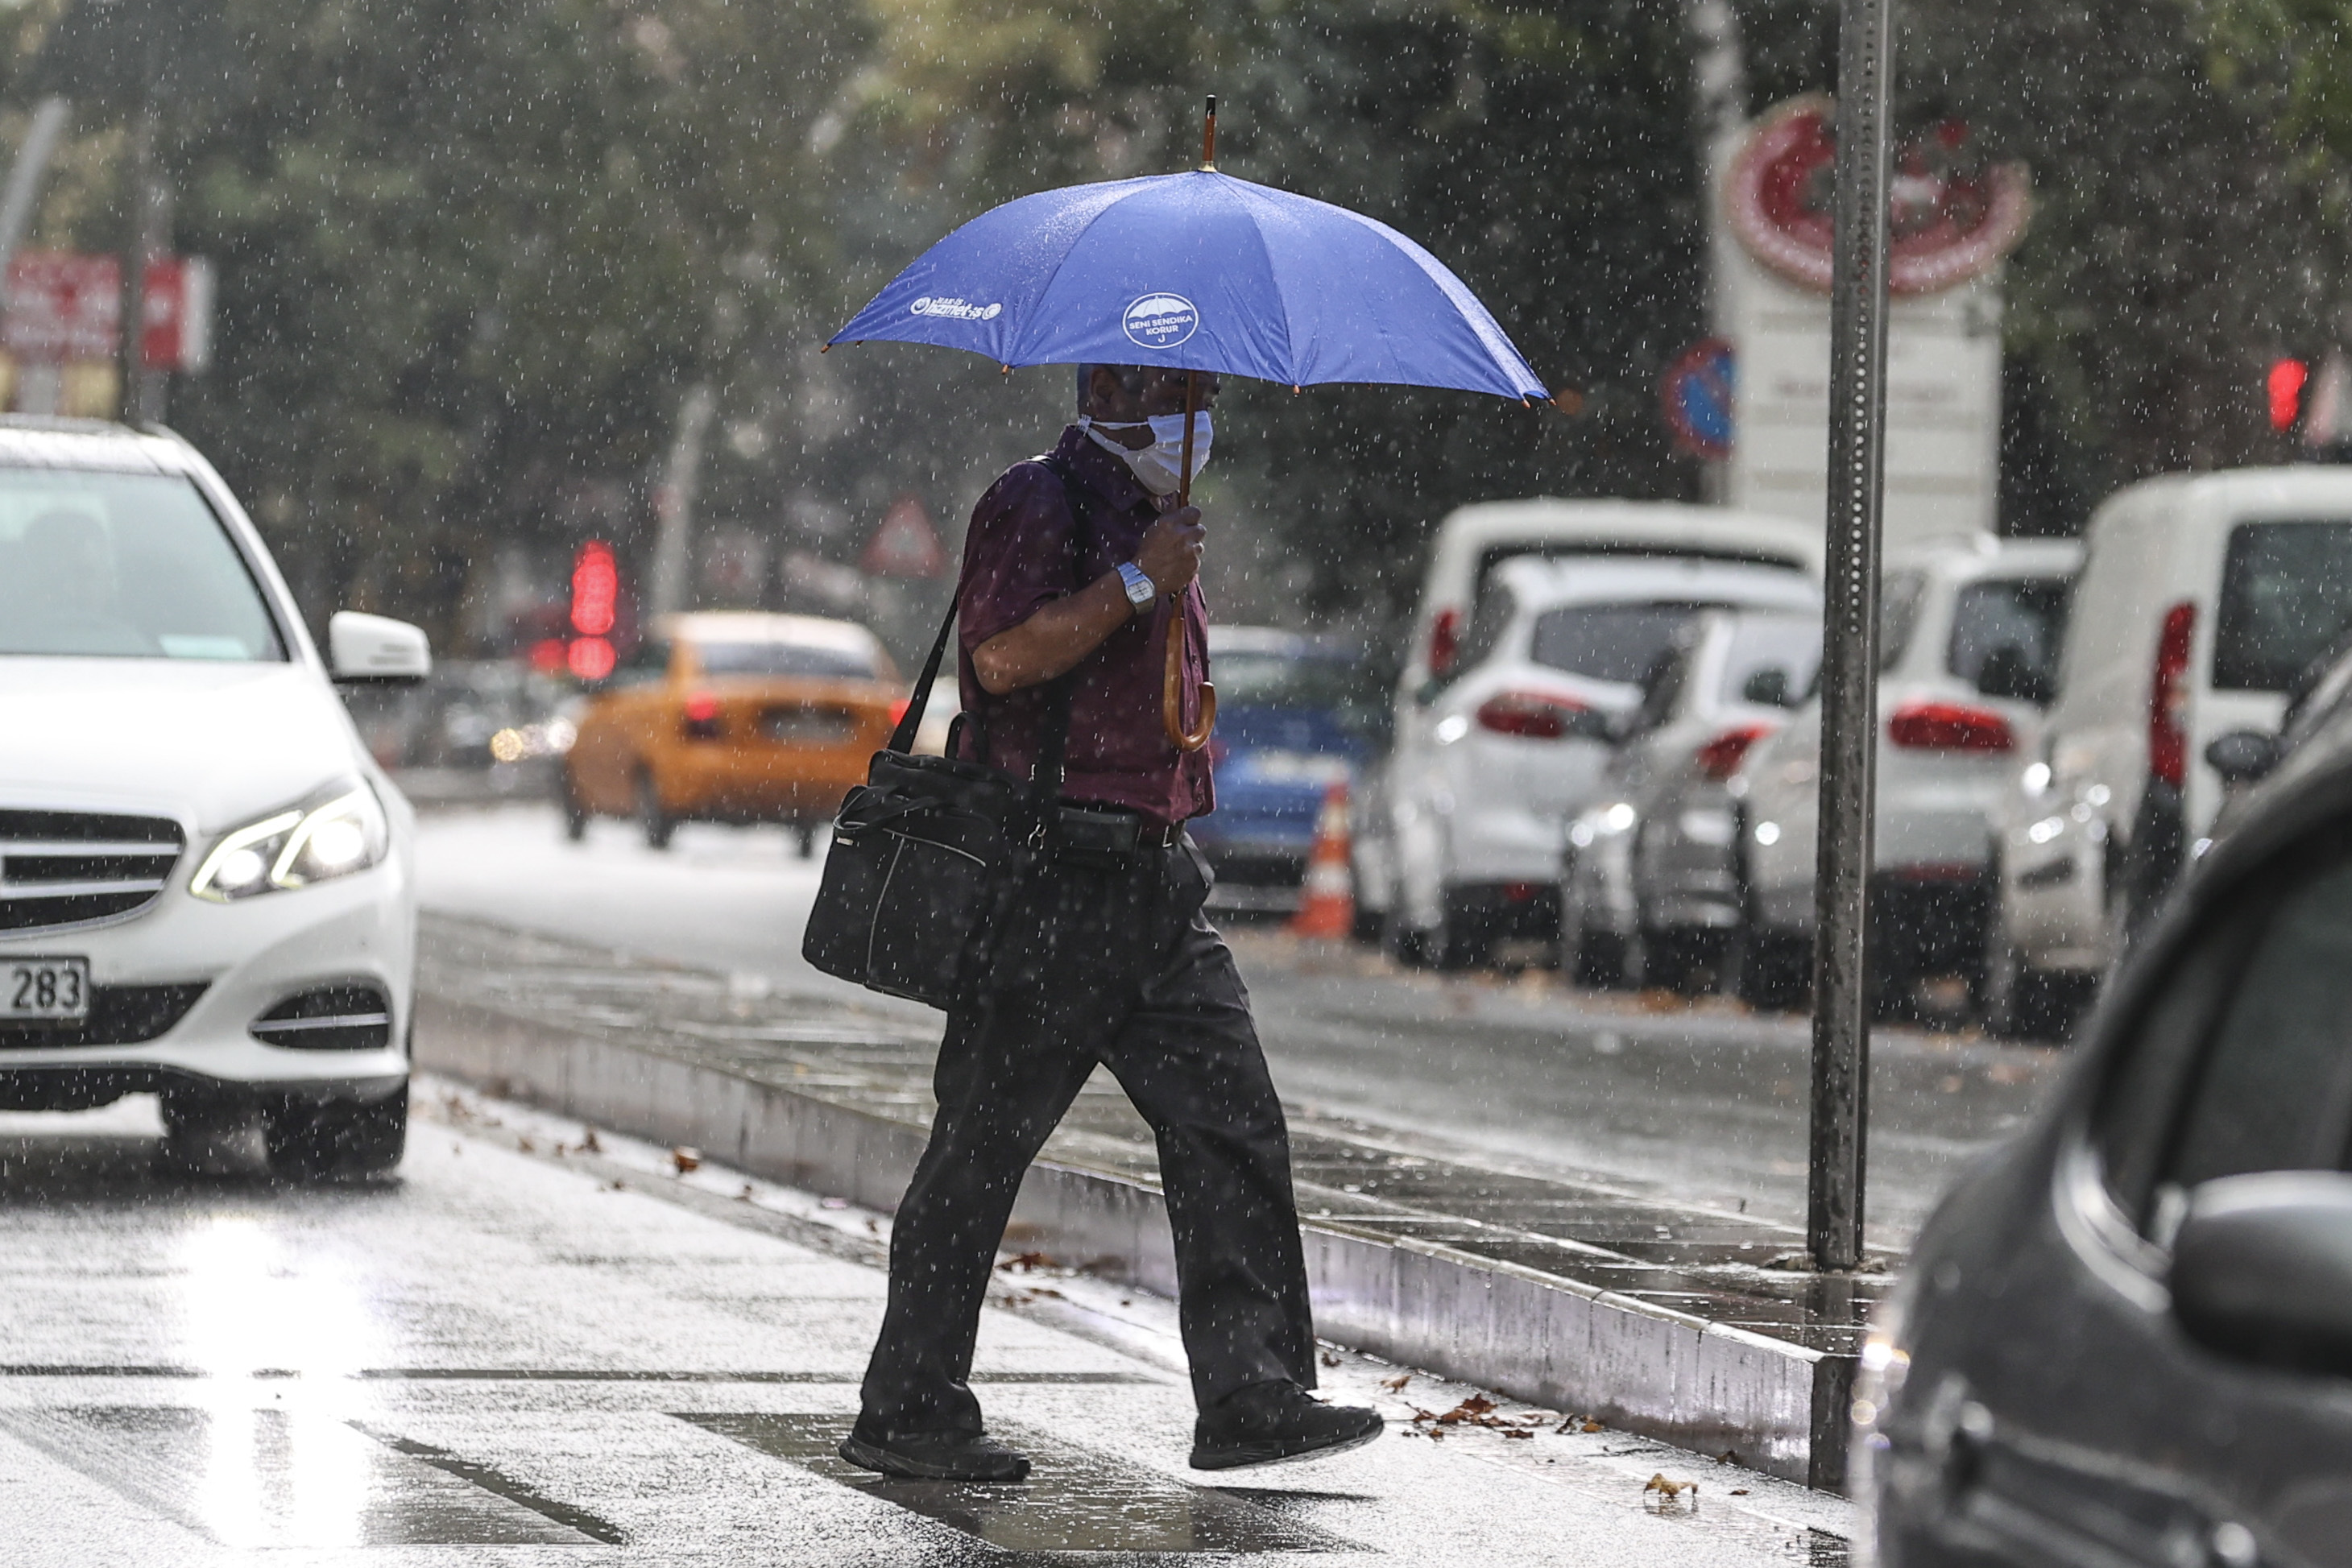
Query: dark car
(1295,714)
(2127,1339)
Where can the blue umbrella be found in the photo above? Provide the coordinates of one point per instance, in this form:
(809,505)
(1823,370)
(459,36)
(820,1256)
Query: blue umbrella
(1198,271)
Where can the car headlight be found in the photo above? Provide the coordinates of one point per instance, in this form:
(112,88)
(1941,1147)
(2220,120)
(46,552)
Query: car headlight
(295,848)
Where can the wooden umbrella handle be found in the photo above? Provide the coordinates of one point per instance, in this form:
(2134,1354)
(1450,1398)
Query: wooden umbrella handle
(1171,690)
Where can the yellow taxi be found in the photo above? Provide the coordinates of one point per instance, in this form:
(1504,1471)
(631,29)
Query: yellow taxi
(733,716)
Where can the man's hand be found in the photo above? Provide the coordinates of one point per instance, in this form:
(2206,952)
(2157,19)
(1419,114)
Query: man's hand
(1170,554)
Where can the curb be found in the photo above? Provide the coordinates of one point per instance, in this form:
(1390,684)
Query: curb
(1541,1338)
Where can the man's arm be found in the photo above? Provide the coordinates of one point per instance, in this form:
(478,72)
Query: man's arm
(1051,642)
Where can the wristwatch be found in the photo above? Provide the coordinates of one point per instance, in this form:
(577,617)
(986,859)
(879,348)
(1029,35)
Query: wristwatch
(1139,591)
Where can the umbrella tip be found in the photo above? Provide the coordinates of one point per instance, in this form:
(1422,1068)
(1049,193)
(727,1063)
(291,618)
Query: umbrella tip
(824,348)
(1209,138)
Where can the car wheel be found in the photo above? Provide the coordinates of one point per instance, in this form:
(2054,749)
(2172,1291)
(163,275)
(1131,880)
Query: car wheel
(575,811)
(1592,959)
(320,1140)
(657,821)
(2020,1002)
(1770,971)
(1405,942)
(1463,938)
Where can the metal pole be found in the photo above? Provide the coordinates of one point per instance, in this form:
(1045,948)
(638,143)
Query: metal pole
(674,501)
(1841,1089)
(24,186)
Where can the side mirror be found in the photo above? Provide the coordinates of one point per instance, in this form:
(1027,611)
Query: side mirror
(1768,687)
(375,649)
(2242,756)
(2261,1270)
(2007,673)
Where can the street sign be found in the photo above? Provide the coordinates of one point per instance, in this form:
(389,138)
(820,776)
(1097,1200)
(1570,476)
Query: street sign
(1951,216)
(1698,392)
(177,303)
(63,307)
(905,545)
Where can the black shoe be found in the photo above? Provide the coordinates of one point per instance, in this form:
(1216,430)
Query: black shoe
(1280,1420)
(936,1457)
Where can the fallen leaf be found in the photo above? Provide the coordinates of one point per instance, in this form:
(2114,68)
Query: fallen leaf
(1729,1458)
(1740,1491)
(1330,1360)
(1592,1426)
(1027,1262)
(588,1144)
(745,1195)
(1396,1384)
(1661,1485)
(526,1146)
(686,1159)
(1518,1432)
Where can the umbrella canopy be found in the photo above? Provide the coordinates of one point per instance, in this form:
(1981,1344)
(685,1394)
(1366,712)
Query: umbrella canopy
(1199,271)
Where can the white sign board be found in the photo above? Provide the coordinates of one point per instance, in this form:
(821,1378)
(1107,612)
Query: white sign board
(1943,403)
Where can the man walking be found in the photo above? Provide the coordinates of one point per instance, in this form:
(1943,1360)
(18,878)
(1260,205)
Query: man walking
(1069,569)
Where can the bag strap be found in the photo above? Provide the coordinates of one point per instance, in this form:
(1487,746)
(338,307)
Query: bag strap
(1054,731)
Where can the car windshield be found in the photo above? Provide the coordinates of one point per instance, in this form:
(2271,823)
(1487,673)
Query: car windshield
(784,659)
(2024,615)
(1607,642)
(1763,646)
(2286,597)
(1312,683)
(131,566)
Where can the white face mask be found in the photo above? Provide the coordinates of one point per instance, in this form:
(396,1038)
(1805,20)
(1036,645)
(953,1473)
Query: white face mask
(1159,466)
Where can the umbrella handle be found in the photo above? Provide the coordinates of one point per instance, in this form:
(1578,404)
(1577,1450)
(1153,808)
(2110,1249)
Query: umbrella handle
(1171,691)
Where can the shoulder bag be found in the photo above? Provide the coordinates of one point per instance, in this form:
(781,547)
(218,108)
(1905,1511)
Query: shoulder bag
(929,851)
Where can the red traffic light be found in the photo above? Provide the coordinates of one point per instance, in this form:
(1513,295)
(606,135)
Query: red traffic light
(596,589)
(2287,379)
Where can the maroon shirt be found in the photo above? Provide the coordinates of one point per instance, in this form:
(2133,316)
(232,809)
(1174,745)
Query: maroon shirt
(1017,559)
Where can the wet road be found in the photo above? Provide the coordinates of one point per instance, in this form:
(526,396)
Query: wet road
(1704,1102)
(528,1351)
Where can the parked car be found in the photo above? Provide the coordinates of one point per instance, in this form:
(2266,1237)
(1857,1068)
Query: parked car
(733,716)
(1295,714)
(1650,891)
(205,892)
(478,715)
(1969,639)
(2124,1338)
(2202,598)
(1470,544)
(1494,756)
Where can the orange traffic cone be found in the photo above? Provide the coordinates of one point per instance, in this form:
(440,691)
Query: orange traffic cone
(1327,902)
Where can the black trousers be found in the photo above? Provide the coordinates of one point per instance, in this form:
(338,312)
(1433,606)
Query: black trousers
(1115,964)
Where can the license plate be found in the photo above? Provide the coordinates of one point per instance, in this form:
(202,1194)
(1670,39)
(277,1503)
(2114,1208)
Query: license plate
(808,726)
(45,988)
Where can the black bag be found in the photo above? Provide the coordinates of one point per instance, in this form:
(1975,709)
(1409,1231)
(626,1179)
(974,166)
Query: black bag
(929,853)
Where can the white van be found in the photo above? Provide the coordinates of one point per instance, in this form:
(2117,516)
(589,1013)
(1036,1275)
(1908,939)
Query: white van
(2201,598)
(1470,544)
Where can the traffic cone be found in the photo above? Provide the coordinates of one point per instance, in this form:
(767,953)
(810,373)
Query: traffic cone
(1326,902)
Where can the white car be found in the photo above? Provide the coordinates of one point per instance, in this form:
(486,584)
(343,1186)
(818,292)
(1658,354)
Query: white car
(1650,895)
(1492,758)
(2203,598)
(1474,539)
(1969,639)
(204,883)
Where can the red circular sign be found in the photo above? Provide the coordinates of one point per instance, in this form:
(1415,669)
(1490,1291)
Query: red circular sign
(1952,216)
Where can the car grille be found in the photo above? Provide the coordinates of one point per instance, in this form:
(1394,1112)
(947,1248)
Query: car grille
(118,1015)
(66,868)
(332,1018)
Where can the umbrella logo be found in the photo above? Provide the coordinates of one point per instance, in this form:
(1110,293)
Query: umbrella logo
(1161,320)
(960,309)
